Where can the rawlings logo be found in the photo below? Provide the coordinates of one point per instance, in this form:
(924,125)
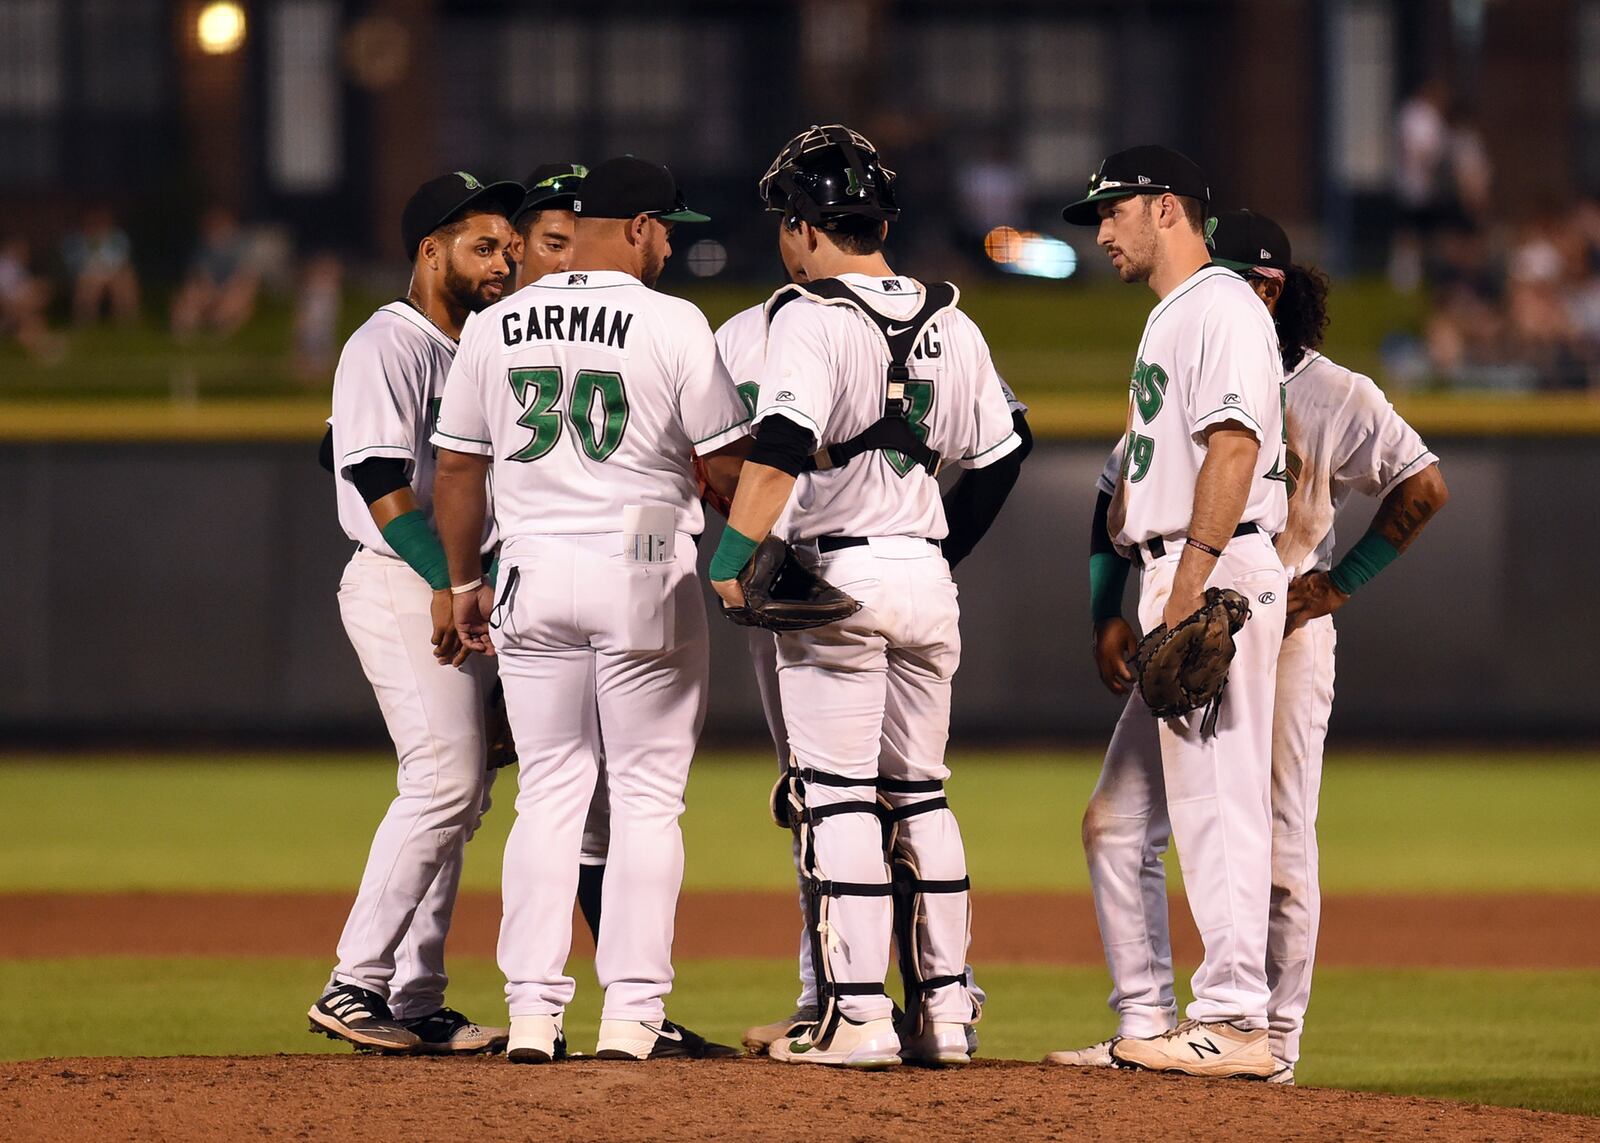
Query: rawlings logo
(784,395)
(1267,597)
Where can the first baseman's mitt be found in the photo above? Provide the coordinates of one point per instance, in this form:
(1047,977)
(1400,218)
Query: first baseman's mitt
(782,594)
(1184,668)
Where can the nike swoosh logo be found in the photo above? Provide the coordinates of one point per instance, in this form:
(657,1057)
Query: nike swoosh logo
(799,1047)
(898,329)
(666,1035)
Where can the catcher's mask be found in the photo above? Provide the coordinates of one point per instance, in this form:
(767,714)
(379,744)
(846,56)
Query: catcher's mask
(825,175)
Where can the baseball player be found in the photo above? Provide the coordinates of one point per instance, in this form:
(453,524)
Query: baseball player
(387,990)
(588,393)
(1343,436)
(1197,502)
(970,507)
(867,701)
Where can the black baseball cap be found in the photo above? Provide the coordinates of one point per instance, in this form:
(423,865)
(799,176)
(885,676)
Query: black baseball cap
(446,198)
(1243,240)
(1139,170)
(624,187)
(551,186)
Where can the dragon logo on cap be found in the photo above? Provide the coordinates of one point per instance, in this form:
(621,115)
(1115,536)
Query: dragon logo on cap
(470,180)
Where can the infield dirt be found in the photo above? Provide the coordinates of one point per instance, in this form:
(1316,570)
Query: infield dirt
(1498,931)
(340,1097)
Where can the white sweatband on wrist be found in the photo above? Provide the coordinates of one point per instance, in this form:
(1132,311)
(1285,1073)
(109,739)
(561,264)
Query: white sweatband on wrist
(466,588)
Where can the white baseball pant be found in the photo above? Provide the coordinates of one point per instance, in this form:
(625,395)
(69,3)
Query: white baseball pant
(865,698)
(589,643)
(393,941)
(1213,795)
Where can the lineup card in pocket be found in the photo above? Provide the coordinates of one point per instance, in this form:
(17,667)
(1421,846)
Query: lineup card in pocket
(648,533)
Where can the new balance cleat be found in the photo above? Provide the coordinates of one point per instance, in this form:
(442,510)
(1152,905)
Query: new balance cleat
(1094,1056)
(1217,1049)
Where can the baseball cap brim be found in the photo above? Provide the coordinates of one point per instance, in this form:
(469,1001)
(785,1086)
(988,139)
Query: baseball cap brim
(500,198)
(1086,212)
(684,216)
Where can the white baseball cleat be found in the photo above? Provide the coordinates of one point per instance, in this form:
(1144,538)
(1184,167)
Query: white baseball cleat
(1094,1056)
(536,1040)
(937,1045)
(1217,1049)
(1282,1072)
(869,1046)
(762,1036)
(644,1040)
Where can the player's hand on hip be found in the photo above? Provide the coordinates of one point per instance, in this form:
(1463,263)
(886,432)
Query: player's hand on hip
(1180,607)
(729,591)
(447,646)
(471,614)
(1113,646)
(1311,596)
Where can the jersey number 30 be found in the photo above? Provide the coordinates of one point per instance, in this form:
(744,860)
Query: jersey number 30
(538,390)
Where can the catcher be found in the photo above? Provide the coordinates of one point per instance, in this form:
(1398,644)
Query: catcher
(856,357)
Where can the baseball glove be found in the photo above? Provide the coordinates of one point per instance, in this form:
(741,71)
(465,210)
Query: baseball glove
(1185,667)
(782,594)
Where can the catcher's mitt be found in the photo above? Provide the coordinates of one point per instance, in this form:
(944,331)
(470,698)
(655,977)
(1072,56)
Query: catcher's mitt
(782,594)
(1184,668)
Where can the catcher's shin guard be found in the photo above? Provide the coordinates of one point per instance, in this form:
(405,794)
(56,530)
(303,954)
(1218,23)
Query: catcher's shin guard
(930,938)
(789,799)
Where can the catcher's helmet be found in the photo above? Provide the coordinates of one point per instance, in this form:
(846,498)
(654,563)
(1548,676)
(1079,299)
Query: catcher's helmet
(827,174)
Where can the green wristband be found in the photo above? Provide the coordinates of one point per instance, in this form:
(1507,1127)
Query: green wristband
(492,576)
(1370,556)
(413,541)
(733,552)
(1108,575)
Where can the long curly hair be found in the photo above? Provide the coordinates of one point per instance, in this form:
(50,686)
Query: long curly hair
(1301,314)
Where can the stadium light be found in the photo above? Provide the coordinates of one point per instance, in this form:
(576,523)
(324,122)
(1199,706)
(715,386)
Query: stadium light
(1029,253)
(220,28)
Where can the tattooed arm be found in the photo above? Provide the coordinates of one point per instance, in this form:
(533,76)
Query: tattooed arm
(1399,520)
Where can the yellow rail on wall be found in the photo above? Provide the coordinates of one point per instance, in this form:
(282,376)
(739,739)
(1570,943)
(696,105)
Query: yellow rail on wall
(1063,417)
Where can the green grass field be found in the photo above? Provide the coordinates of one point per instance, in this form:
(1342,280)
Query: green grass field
(1453,824)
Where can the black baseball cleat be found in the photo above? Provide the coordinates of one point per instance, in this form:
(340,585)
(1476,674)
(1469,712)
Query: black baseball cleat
(449,1033)
(643,1040)
(359,1016)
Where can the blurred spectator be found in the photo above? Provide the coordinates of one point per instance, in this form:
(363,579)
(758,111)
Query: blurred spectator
(218,294)
(23,297)
(991,191)
(316,318)
(1421,144)
(99,260)
(1543,334)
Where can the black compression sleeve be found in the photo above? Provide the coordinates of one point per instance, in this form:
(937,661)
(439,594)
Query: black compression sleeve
(378,476)
(783,445)
(325,450)
(975,501)
(1099,537)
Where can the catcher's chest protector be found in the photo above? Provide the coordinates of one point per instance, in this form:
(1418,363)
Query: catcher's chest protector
(900,335)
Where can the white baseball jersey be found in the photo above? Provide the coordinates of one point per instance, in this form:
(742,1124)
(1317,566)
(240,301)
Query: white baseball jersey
(591,392)
(825,371)
(1209,354)
(386,394)
(1344,436)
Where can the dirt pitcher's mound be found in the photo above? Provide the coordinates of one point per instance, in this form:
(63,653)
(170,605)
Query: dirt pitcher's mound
(368,1098)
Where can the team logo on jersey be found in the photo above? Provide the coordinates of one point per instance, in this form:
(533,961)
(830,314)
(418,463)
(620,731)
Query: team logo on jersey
(784,395)
(1267,597)
(1149,389)
(891,285)
(577,279)
(1231,399)
(471,182)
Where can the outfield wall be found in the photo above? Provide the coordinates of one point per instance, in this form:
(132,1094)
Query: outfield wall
(182,587)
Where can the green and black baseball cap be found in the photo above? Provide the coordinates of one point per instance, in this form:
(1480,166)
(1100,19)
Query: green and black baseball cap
(551,186)
(1149,169)
(1243,240)
(626,186)
(446,198)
